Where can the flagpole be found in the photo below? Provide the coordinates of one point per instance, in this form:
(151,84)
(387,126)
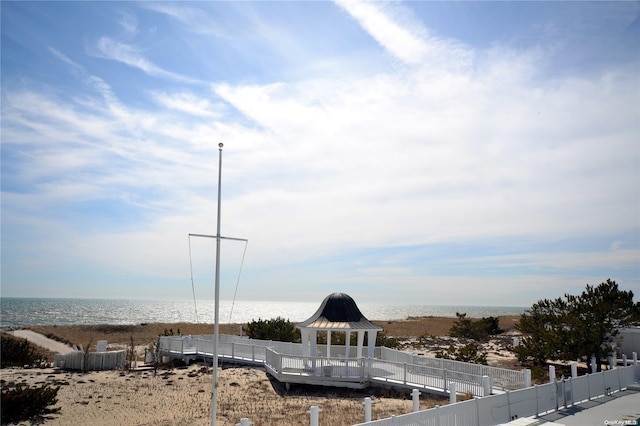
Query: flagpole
(216,324)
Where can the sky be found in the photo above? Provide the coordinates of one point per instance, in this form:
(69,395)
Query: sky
(423,153)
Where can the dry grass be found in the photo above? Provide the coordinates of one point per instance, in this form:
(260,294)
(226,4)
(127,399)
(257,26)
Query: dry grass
(182,396)
(432,326)
(144,334)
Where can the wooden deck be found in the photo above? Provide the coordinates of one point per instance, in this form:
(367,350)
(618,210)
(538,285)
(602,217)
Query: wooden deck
(286,363)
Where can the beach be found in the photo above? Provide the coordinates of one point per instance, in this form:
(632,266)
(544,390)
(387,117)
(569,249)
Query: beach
(182,395)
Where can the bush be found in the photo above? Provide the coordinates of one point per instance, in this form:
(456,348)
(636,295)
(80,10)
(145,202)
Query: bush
(477,330)
(22,402)
(19,353)
(388,342)
(467,353)
(277,329)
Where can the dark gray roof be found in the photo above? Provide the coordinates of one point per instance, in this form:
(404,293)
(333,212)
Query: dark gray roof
(338,311)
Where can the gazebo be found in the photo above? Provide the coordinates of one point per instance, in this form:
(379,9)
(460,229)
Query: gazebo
(338,313)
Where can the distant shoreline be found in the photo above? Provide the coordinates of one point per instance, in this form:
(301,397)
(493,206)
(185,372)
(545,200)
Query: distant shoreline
(24,312)
(144,334)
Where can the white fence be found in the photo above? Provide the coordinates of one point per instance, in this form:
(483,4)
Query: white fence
(90,361)
(501,378)
(424,377)
(235,348)
(389,367)
(532,401)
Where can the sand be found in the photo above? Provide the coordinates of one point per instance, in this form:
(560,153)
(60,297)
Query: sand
(182,395)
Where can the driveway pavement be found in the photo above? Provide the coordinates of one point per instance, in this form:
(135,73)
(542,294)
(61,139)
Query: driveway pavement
(620,408)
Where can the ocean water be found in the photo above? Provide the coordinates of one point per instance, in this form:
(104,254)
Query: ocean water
(20,312)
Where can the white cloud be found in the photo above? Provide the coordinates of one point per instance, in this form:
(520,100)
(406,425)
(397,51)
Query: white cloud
(395,28)
(194,20)
(481,161)
(187,102)
(435,152)
(128,22)
(407,44)
(129,55)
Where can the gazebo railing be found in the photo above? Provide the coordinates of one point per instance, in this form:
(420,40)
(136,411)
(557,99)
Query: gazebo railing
(315,366)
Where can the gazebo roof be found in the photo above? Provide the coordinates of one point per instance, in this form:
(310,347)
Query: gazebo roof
(338,311)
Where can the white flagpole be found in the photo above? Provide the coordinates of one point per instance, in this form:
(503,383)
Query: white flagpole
(216,324)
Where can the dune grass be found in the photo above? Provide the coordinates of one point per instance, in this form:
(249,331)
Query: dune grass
(144,334)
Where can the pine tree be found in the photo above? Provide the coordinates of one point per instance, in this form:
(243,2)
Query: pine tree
(577,326)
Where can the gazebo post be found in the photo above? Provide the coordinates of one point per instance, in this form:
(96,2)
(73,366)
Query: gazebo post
(314,343)
(372,342)
(328,343)
(360,343)
(304,334)
(347,344)
(314,348)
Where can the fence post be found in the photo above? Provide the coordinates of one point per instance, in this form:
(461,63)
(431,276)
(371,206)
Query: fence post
(314,415)
(527,377)
(404,380)
(367,409)
(619,380)
(486,386)
(552,374)
(624,360)
(452,393)
(611,362)
(594,367)
(444,379)
(415,397)
(574,369)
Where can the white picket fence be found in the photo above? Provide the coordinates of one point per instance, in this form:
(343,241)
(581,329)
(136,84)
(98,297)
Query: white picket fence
(90,361)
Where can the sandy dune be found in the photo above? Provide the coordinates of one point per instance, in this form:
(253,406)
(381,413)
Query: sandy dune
(182,396)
